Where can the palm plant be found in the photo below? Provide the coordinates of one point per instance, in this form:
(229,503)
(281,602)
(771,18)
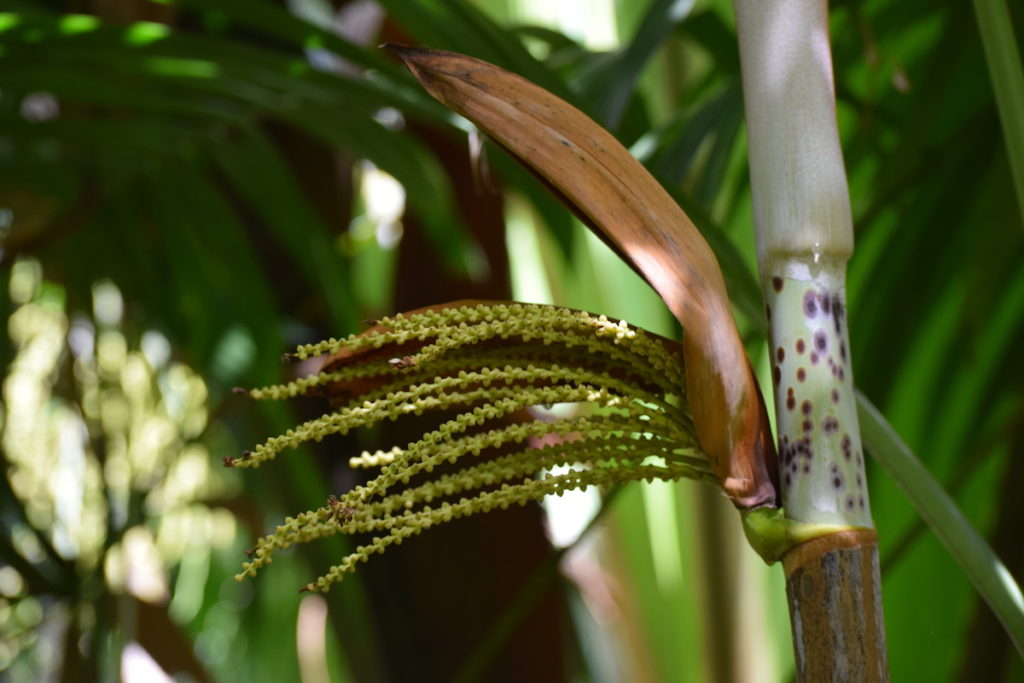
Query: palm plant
(158,130)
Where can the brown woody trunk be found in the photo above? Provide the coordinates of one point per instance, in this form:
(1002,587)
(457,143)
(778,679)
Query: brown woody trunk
(835,607)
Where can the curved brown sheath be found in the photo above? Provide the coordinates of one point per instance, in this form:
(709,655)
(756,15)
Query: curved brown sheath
(599,178)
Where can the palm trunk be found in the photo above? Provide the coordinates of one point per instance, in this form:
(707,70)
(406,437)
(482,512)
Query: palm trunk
(805,237)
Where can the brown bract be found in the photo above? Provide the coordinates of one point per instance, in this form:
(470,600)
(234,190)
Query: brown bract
(602,182)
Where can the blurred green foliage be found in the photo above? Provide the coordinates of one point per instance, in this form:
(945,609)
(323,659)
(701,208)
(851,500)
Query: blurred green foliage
(202,168)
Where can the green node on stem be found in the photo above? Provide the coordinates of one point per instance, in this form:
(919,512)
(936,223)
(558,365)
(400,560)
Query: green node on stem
(771,534)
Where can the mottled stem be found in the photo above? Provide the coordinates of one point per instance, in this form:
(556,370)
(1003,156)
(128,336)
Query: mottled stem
(832,583)
(820,457)
(805,238)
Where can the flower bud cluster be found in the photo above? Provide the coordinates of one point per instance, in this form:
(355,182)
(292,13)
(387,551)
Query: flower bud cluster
(490,362)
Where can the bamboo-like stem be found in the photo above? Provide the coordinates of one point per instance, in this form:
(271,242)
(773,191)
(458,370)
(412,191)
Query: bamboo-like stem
(805,237)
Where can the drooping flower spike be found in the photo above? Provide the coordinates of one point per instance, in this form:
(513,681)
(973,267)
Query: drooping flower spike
(492,362)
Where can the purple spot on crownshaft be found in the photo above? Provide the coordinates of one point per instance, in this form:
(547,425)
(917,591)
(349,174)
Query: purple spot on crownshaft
(810,304)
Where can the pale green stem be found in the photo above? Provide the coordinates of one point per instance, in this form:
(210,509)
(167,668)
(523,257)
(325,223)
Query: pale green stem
(820,457)
(805,238)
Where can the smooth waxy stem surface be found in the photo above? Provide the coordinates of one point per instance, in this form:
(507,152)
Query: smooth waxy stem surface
(820,455)
(805,238)
(798,182)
